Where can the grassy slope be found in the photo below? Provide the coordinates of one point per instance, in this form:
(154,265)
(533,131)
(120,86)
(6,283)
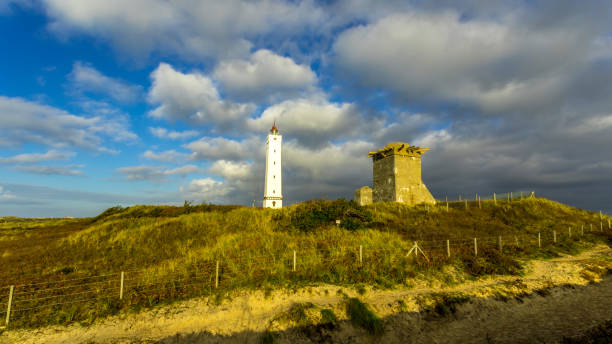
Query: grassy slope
(255,245)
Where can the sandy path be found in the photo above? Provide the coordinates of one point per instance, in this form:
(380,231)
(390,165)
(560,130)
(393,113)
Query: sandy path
(249,313)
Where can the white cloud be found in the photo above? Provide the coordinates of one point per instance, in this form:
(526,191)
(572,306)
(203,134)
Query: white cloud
(231,169)
(68,170)
(266,76)
(166,156)
(497,66)
(50,155)
(164,133)
(182,170)
(85,78)
(5,195)
(192,98)
(23,121)
(206,189)
(155,173)
(208,148)
(335,164)
(314,122)
(191,29)
(333,171)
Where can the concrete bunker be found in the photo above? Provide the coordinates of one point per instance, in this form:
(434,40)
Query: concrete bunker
(396,176)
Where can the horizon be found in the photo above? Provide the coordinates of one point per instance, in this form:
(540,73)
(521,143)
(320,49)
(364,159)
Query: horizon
(146,102)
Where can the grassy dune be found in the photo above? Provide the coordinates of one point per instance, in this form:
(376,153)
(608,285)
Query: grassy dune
(175,249)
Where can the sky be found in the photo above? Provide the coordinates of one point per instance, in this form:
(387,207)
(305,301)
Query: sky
(106,103)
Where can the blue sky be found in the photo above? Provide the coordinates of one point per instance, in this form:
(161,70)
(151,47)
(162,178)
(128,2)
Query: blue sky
(157,102)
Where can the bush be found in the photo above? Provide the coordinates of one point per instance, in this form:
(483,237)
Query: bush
(490,262)
(445,304)
(311,215)
(361,315)
(328,316)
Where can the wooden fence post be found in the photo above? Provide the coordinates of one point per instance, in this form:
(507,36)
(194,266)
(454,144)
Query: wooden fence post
(608,223)
(510,196)
(539,240)
(516,241)
(360,255)
(475,247)
(217,275)
(466,204)
(10,303)
(591,227)
(459,197)
(601,226)
(448,248)
(500,245)
(582,230)
(494,198)
(555,236)
(569,231)
(121,288)
(294,260)
(479,206)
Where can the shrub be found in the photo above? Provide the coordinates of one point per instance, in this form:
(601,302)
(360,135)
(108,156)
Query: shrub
(311,215)
(361,315)
(328,316)
(267,338)
(490,262)
(444,304)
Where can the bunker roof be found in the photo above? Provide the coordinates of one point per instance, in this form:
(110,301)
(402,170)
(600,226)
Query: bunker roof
(398,148)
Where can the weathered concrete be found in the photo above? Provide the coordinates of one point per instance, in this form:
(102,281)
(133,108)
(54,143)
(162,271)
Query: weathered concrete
(397,175)
(363,195)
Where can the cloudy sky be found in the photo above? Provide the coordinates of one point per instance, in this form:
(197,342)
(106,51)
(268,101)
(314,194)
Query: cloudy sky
(159,101)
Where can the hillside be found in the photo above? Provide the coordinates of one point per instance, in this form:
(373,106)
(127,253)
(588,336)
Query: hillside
(67,270)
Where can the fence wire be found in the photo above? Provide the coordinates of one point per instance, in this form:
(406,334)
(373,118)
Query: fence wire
(226,270)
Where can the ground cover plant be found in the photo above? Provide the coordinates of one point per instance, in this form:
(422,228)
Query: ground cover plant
(69,270)
(360,315)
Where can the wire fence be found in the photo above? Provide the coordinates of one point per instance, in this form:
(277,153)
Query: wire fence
(501,197)
(146,286)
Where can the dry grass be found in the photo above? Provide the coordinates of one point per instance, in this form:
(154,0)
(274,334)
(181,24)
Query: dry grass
(177,245)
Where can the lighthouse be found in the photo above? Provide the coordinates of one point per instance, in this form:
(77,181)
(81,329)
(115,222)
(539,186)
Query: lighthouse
(273,190)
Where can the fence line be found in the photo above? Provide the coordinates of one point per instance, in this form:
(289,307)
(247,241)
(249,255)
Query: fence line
(223,270)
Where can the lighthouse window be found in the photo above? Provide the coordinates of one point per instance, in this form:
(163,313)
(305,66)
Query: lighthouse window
(274,177)
(275,151)
(275,163)
(273,191)
(274,203)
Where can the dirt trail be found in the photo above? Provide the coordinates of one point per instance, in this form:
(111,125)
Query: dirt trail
(484,319)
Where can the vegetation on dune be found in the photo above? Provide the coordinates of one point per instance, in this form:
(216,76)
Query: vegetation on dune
(361,315)
(175,249)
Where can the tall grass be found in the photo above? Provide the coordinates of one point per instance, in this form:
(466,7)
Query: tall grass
(255,247)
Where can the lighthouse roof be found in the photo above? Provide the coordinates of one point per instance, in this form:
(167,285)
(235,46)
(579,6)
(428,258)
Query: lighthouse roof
(274,129)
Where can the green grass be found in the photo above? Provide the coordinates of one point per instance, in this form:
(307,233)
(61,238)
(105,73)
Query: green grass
(441,304)
(178,247)
(360,315)
(328,316)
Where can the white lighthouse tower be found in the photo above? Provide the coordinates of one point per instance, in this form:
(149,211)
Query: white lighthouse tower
(273,190)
